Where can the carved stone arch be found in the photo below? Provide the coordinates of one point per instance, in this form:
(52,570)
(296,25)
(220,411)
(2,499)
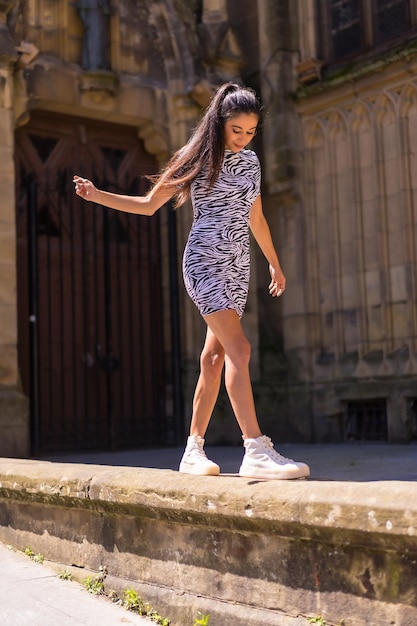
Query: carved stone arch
(360,117)
(385,109)
(178,43)
(408,100)
(336,125)
(314,135)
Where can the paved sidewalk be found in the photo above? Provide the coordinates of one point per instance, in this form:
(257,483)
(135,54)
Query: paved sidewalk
(32,595)
(357,462)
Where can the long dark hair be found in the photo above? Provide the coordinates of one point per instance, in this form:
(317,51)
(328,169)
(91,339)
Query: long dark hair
(204,150)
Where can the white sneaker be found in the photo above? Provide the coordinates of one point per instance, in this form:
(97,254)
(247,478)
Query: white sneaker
(194,460)
(261,460)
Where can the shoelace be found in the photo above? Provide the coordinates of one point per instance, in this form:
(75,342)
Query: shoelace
(196,451)
(276,455)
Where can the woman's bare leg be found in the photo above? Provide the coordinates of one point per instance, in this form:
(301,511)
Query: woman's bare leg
(227,329)
(226,341)
(208,384)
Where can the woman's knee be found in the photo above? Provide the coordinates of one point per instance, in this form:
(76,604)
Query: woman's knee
(212,361)
(240,353)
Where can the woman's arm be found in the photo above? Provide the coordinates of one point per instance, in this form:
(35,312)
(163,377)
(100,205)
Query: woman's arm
(260,229)
(141,205)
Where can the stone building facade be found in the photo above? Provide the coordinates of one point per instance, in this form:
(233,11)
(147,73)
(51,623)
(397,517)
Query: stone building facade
(352,325)
(112,88)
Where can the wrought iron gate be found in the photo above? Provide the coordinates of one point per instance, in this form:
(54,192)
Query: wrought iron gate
(91,347)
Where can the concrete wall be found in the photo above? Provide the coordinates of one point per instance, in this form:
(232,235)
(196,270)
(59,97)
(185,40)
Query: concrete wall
(247,552)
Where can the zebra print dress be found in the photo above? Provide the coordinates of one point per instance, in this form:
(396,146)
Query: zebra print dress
(216,261)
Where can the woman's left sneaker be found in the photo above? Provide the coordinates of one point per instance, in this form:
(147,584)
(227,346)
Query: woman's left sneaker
(261,460)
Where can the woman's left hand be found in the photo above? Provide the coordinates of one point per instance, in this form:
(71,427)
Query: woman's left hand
(277,284)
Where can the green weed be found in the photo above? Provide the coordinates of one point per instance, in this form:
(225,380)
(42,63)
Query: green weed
(37,558)
(94,585)
(133,602)
(203,620)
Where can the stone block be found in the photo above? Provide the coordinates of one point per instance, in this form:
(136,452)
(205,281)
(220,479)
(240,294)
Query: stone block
(368,212)
(397,246)
(347,221)
(53,85)
(392,176)
(138,101)
(373,287)
(295,300)
(368,186)
(375,324)
(7,275)
(9,372)
(6,129)
(366,151)
(295,331)
(398,283)
(349,256)
(400,312)
(14,423)
(349,322)
(258,552)
(8,324)
(350,291)
(327,297)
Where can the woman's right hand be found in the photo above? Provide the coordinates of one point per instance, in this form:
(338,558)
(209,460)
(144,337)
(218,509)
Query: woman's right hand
(84,188)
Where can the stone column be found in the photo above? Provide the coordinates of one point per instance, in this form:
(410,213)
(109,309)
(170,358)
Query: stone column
(14,413)
(282,149)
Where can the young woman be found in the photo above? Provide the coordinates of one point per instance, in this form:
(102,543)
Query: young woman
(223,180)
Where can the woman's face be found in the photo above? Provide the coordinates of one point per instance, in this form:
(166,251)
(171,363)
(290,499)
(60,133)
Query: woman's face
(239,130)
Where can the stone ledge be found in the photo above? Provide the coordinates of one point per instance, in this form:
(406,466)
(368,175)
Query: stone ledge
(276,549)
(390,507)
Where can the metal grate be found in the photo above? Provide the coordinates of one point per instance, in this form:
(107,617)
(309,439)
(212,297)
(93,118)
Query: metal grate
(366,420)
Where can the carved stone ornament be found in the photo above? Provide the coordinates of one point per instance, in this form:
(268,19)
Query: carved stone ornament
(98,86)
(309,70)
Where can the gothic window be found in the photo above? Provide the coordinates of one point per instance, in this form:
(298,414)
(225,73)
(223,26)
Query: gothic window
(347,28)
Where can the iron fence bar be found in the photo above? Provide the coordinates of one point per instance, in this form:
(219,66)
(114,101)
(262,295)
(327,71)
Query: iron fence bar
(33,314)
(95,304)
(85,319)
(179,430)
(62,351)
(46,338)
(131,360)
(75,365)
(108,355)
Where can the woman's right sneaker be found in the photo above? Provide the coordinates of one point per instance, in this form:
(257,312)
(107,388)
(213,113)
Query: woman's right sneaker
(261,460)
(194,460)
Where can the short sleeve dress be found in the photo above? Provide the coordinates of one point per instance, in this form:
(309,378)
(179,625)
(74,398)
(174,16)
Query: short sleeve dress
(216,261)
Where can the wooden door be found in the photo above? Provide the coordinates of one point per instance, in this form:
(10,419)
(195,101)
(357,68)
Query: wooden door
(89,290)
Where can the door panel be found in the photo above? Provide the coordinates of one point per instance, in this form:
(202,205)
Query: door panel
(91,349)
